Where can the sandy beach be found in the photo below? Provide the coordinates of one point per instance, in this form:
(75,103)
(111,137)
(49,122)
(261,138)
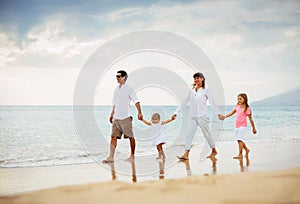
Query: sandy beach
(270,175)
(258,187)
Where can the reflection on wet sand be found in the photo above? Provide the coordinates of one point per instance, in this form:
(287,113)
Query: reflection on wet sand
(188,167)
(241,163)
(214,165)
(133,170)
(161,165)
(113,171)
(161,169)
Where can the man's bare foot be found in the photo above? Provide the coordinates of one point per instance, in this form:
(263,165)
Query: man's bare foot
(238,156)
(130,159)
(182,157)
(108,160)
(247,152)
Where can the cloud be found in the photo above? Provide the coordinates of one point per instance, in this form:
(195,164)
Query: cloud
(19,17)
(119,14)
(249,42)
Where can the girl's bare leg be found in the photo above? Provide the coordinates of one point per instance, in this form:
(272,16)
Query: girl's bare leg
(160,151)
(246,149)
(163,156)
(240,155)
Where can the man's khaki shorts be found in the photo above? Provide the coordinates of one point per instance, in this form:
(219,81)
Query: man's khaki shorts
(124,127)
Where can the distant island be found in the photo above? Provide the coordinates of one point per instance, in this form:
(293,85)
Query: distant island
(289,98)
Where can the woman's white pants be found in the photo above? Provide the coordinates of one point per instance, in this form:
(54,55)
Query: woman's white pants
(203,123)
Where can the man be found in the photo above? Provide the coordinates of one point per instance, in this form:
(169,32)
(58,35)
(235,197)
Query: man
(121,117)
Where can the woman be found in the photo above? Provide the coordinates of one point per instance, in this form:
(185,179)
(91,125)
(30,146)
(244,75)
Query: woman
(198,97)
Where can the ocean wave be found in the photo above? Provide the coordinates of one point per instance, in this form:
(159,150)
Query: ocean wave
(82,158)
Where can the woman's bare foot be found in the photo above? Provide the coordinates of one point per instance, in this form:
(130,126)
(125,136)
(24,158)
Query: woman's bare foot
(213,153)
(183,157)
(108,160)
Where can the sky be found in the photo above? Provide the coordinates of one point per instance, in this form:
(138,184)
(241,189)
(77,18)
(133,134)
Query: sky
(253,45)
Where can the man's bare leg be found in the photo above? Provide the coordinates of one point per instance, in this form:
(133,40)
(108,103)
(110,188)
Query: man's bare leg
(113,145)
(132,148)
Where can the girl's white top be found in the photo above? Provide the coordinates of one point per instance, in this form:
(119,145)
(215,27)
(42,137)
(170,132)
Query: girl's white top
(198,103)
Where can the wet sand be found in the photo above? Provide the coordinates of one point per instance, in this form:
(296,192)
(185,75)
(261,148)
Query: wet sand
(270,174)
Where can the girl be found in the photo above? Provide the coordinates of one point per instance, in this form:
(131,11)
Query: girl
(157,137)
(242,110)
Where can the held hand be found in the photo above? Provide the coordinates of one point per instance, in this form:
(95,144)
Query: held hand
(140,116)
(111,118)
(173,117)
(221,117)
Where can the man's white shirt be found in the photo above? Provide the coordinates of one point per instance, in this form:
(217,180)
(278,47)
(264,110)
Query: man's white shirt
(121,100)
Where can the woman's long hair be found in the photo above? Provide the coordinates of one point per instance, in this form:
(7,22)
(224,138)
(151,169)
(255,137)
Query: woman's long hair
(199,74)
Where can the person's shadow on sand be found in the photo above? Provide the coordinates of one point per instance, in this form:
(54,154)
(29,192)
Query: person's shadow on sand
(113,171)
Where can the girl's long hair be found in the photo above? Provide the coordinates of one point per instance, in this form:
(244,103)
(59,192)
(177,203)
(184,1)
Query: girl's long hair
(244,96)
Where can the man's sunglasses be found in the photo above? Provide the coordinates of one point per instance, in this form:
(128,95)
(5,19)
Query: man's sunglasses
(118,76)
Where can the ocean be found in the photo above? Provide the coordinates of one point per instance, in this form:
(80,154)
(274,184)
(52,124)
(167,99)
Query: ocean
(36,136)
